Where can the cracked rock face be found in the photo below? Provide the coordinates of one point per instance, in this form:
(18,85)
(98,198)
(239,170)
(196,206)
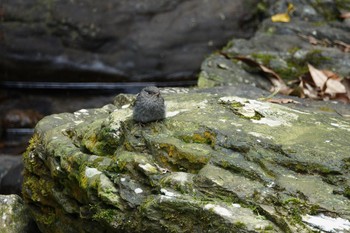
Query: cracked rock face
(217,163)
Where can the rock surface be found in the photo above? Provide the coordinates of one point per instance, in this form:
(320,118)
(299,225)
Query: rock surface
(312,37)
(133,40)
(11,167)
(14,216)
(252,166)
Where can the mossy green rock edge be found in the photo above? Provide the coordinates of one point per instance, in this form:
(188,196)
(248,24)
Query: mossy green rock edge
(215,164)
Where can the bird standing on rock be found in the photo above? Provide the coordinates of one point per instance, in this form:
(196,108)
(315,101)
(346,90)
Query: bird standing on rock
(149,105)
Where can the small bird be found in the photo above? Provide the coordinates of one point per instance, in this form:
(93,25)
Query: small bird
(149,105)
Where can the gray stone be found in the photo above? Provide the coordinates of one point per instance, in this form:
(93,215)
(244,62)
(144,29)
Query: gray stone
(117,41)
(284,47)
(253,166)
(14,216)
(11,178)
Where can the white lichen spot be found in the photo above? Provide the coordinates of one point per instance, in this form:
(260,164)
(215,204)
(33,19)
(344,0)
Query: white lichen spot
(58,168)
(238,130)
(90,172)
(125,106)
(167,193)
(291,176)
(78,122)
(328,141)
(335,124)
(57,117)
(222,120)
(327,224)
(218,210)
(4,217)
(83,111)
(258,140)
(54,138)
(270,122)
(236,205)
(148,168)
(273,115)
(203,104)
(122,179)
(171,114)
(271,184)
(259,135)
(181,177)
(138,191)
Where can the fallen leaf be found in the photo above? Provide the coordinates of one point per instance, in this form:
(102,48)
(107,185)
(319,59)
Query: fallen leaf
(333,87)
(331,74)
(342,46)
(312,40)
(273,77)
(318,77)
(345,15)
(282,18)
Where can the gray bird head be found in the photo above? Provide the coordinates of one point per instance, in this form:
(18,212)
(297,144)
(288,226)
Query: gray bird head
(151,91)
(149,105)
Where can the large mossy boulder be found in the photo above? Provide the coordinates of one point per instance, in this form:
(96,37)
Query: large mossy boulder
(217,163)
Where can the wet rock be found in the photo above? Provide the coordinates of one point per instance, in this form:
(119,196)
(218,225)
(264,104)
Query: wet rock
(312,37)
(11,178)
(117,41)
(211,165)
(15,216)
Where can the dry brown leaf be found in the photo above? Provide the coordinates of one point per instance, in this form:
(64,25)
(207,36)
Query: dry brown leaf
(318,77)
(345,15)
(343,46)
(333,87)
(331,74)
(282,101)
(312,40)
(273,77)
(346,83)
(282,18)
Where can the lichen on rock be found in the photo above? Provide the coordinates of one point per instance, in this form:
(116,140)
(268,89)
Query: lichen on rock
(205,168)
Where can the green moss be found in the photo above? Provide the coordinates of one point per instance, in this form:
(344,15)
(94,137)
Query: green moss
(347,192)
(229,45)
(107,215)
(327,9)
(297,207)
(239,225)
(308,168)
(46,215)
(343,4)
(263,58)
(207,137)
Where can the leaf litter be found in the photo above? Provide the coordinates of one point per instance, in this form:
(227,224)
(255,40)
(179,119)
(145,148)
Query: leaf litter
(315,84)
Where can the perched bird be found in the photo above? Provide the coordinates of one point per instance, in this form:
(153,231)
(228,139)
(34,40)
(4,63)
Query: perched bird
(149,105)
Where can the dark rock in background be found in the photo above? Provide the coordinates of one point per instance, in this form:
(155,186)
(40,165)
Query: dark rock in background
(11,167)
(117,40)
